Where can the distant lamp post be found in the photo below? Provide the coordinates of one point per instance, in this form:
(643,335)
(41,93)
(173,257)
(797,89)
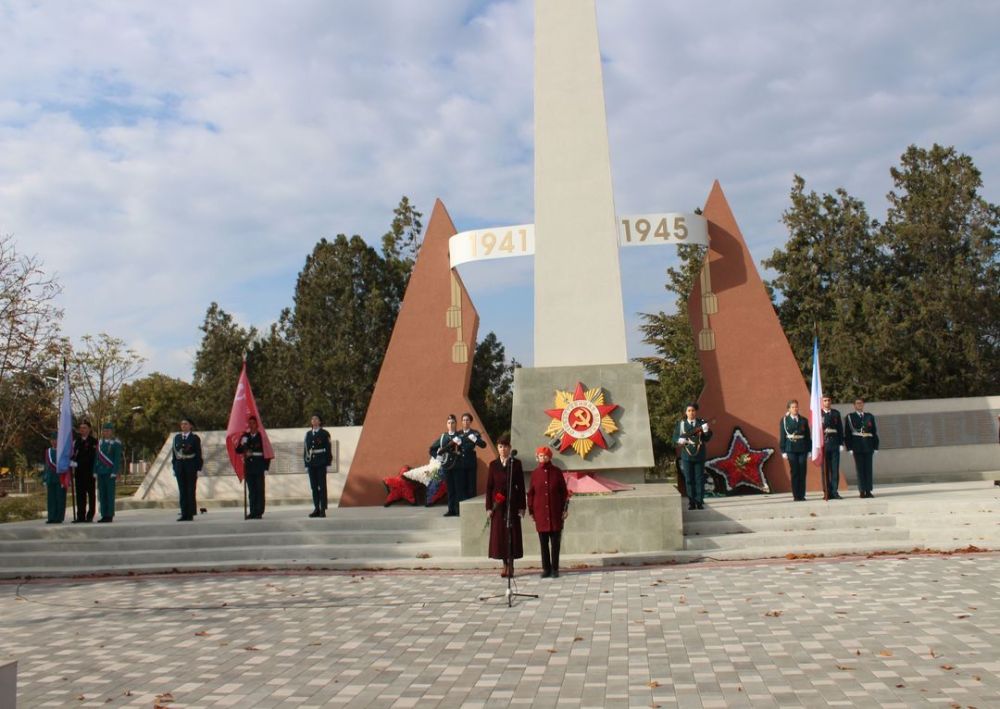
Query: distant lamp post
(136,410)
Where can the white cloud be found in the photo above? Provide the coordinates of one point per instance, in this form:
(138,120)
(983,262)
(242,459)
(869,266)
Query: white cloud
(160,156)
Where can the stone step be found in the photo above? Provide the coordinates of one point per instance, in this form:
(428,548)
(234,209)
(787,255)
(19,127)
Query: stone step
(700,527)
(784,508)
(798,539)
(250,537)
(142,524)
(14,564)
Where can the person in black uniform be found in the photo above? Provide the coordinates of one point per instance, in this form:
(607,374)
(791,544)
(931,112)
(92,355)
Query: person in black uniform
(861,438)
(795,444)
(833,443)
(691,433)
(84,454)
(187,462)
(448,450)
(251,445)
(472,439)
(317,455)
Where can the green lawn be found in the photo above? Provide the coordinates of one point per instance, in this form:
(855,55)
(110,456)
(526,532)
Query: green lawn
(17,508)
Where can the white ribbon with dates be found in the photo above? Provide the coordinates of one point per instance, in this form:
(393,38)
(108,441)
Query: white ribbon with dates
(519,240)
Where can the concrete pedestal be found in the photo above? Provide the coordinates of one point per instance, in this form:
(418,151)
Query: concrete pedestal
(647,519)
(8,685)
(630,448)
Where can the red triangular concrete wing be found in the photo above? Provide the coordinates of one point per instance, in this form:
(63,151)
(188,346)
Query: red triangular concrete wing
(751,373)
(422,378)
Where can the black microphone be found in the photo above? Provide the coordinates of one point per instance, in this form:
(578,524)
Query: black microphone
(513,453)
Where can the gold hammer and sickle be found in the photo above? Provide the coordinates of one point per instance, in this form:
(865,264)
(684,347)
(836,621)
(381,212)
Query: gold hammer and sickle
(582,418)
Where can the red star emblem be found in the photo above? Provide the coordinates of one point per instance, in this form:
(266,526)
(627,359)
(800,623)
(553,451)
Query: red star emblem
(742,465)
(581,419)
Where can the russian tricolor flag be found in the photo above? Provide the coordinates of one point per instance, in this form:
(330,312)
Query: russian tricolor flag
(816,408)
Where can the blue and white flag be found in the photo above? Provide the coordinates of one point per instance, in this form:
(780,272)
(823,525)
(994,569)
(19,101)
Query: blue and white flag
(816,407)
(64,442)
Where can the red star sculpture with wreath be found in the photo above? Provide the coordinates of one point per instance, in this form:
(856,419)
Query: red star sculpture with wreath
(580,420)
(742,465)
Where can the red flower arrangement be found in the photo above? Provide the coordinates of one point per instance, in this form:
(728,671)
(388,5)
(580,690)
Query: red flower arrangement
(498,499)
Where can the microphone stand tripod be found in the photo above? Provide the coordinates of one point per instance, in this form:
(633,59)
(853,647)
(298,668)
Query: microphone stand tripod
(509,525)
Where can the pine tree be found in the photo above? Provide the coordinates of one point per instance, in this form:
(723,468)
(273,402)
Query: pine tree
(944,275)
(217,367)
(491,385)
(674,370)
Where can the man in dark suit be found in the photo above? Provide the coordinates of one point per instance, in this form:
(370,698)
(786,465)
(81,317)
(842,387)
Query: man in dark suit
(833,443)
(187,462)
(861,438)
(318,455)
(796,443)
(691,433)
(472,439)
(84,454)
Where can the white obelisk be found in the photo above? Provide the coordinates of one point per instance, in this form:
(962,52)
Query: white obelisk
(579,315)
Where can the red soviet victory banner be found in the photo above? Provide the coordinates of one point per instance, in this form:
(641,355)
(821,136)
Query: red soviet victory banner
(244,407)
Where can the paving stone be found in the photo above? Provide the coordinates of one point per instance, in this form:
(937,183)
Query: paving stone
(881,632)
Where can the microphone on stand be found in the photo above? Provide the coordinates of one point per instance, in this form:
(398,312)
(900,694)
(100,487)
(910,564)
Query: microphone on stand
(513,453)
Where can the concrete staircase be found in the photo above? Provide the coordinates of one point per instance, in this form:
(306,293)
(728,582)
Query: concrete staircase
(149,541)
(902,518)
(940,517)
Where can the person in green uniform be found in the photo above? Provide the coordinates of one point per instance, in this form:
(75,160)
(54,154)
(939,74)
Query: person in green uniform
(795,443)
(255,466)
(187,462)
(107,465)
(317,456)
(54,488)
(833,444)
(691,433)
(861,438)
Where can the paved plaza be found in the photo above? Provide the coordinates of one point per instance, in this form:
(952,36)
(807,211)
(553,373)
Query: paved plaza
(882,631)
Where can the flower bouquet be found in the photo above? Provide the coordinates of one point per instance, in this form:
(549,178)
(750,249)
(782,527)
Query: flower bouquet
(498,499)
(425,474)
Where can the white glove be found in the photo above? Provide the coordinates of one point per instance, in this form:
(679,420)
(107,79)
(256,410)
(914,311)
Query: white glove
(682,441)
(841,448)
(785,456)
(456,440)
(704,427)
(874,453)
(72,464)
(243,441)
(472,437)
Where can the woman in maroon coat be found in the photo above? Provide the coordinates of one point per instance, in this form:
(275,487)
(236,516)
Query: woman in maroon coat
(548,504)
(496,506)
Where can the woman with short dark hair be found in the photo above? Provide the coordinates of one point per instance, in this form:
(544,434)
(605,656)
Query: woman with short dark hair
(505,496)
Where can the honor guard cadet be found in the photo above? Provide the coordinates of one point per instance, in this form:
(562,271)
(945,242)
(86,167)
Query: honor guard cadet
(317,456)
(84,453)
(107,467)
(833,443)
(861,438)
(472,439)
(54,489)
(187,463)
(796,443)
(447,449)
(255,465)
(691,433)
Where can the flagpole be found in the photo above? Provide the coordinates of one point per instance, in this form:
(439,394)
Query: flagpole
(246,512)
(824,467)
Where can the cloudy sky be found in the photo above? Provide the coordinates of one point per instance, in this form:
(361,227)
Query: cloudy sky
(163,155)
